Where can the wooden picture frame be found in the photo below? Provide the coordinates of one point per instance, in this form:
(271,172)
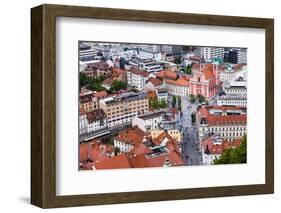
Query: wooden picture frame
(43,105)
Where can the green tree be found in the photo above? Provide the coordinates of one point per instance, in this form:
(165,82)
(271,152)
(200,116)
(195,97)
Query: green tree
(111,141)
(116,151)
(179,102)
(83,80)
(193,117)
(188,69)
(177,60)
(234,155)
(91,83)
(174,101)
(153,104)
(162,104)
(192,98)
(201,98)
(118,85)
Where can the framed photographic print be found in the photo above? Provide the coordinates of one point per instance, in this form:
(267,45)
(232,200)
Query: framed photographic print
(137,106)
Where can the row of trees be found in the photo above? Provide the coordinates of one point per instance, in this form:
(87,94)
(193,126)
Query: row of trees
(236,155)
(176,102)
(199,97)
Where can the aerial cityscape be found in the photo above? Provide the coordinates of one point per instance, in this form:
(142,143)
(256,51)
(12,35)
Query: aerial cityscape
(157,105)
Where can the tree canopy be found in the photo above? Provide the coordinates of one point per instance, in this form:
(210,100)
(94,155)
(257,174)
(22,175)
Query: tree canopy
(92,83)
(155,104)
(234,155)
(118,85)
(192,98)
(188,68)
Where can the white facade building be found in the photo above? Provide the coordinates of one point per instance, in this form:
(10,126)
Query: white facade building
(235,88)
(149,65)
(227,122)
(242,56)
(178,87)
(123,146)
(83,122)
(96,120)
(137,78)
(143,54)
(230,74)
(149,121)
(232,100)
(162,95)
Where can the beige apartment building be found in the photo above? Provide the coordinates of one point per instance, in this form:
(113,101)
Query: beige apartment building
(123,108)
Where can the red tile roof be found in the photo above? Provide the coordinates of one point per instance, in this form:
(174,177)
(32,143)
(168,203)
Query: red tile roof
(133,136)
(101,65)
(108,81)
(155,81)
(180,82)
(161,137)
(144,74)
(140,149)
(138,161)
(100,94)
(229,119)
(84,98)
(174,158)
(95,115)
(214,119)
(93,151)
(215,149)
(117,71)
(208,74)
(117,162)
(167,74)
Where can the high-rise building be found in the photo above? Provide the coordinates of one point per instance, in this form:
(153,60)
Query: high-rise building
(212,52)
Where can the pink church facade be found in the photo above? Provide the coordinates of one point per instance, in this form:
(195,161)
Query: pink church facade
(205,80)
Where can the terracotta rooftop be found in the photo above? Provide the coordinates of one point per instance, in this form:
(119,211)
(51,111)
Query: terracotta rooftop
(116,72)
(212,148)
(93,151)
(229,119)
(100,94)
(101,65)
(95,115)
(174,158)
(85,98)
(180,82)
(144,74)
(167,74)
(208,74)
(161,137)
(117,162)
(133,135)
(155,81)
(108,81)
